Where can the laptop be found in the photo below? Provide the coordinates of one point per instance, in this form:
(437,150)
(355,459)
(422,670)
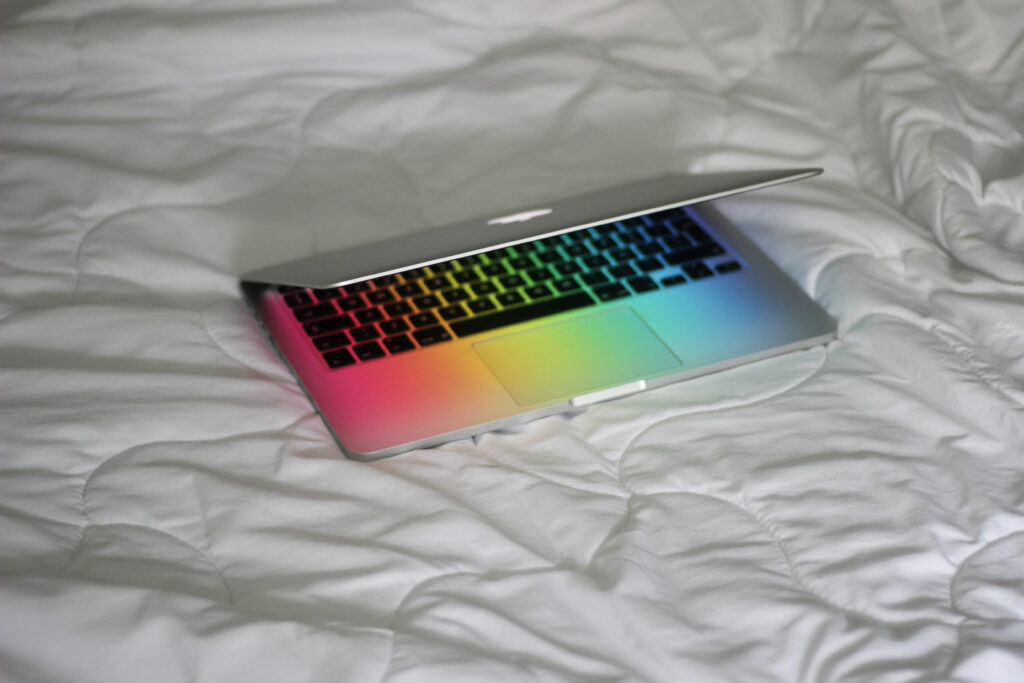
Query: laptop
(414,341)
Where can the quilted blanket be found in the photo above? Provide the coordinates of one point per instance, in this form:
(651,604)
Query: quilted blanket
(172,509)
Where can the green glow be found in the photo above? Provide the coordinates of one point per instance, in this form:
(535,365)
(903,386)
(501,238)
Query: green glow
(576,356)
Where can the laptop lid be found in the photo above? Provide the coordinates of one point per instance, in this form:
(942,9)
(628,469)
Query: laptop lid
(506,228)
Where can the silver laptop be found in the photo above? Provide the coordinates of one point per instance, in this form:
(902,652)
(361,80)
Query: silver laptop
(417,340)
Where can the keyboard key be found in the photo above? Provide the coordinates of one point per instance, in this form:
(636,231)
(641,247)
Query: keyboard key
(606,229)
(481,305)
(369,315)
(314,312)
(284,289)
(413,274)
(468,261)
(357,287)
(299,298)
(423,319)
(398,308)
(366,333)
(484,288)
(432,335)
(553,241)
(443,267)
(492,269)
(677,242)
(438,282)
(409,289)
(728,267)
(631,237)
(538,291)
(649,264)
(657,230)
(331,341)
(575,237)
(483,323)
(522,263)
(680,221)
(496,254)
(650,248)
(595,277)
(698,235)
(385,281)
(510,298)
(327,294)
(642,284)
(368,351)
(566,285)
(697,270)
(595,261)
(399,343)
(512,281)
(341,322)
(540,275)
(425,302)
(624,254)
(394,326)
(610,292)
(452,312)
(339,358)
(526,248)
(549,256)
(568,268)
(692,254)
(464,276)
(380,296)
(578,249)
(351,303)
(622,270)
(453,295)
(604,243)
(674,280)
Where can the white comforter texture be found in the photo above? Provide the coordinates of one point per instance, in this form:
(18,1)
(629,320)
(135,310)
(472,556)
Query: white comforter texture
(174,510)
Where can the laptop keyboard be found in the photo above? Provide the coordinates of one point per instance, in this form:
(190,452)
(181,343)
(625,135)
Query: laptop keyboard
(420,307)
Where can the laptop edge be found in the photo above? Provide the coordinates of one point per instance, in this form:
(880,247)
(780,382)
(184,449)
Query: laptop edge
(514,226)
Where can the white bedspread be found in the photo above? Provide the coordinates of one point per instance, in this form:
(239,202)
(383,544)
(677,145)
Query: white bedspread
(173,509)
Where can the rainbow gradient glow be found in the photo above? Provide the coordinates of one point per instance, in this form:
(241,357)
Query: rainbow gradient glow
(694,321)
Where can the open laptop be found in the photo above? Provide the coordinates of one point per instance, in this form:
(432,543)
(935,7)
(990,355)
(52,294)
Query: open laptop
(417,340)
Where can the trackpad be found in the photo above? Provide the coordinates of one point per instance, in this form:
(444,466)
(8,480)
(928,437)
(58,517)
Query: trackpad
(576,356)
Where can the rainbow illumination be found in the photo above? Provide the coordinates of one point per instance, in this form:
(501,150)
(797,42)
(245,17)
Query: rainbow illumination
(474,383)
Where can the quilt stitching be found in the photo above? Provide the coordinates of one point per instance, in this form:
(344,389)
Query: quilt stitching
(284,378)
(205,554)
(965,619)
(877,156)
(721,407)
(799,579)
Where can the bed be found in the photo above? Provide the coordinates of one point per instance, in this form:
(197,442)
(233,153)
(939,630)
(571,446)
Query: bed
(173,508)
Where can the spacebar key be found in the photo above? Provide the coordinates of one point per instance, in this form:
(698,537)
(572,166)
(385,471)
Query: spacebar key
(521,314)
